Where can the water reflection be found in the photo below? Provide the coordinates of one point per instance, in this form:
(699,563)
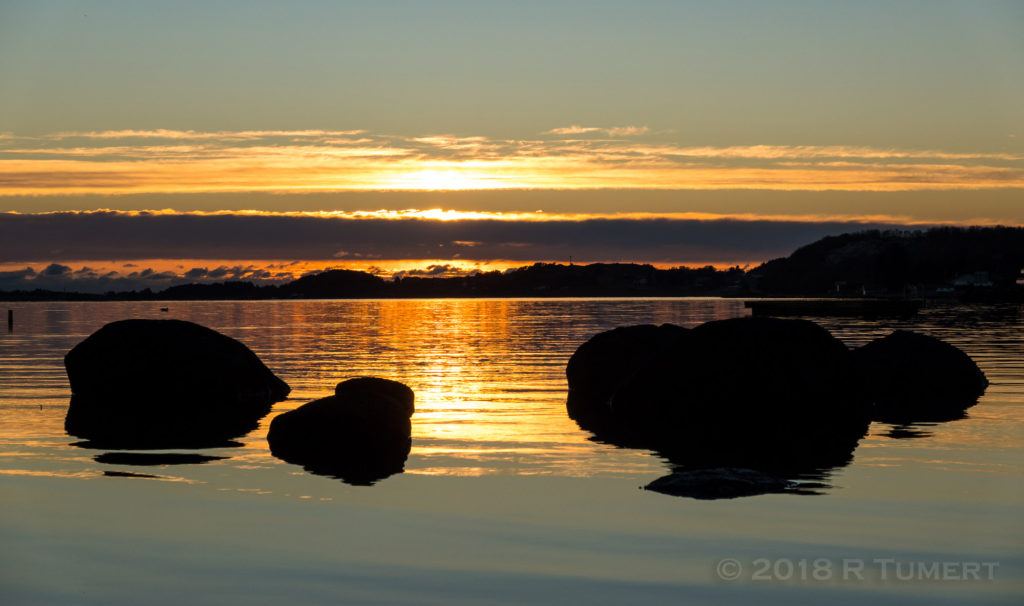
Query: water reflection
(488,376)
(355,464)
(129,474)
(794,463)
(909,431)
(123,445)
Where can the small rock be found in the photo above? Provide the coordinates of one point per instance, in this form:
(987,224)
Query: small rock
(912,377)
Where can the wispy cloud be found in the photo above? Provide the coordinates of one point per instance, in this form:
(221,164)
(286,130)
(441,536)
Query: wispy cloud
(614,131)
(169,161)
(162,133)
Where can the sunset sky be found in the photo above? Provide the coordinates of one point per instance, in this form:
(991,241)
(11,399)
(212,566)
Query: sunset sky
(146,144)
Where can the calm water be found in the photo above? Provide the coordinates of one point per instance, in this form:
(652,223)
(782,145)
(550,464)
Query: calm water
(504,499)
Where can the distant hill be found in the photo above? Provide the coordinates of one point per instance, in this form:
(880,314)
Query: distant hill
(892,262)
(537,280)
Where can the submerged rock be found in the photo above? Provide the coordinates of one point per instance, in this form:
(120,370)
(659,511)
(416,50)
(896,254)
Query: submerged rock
(719,483)
(166,383)
(360,435)
(912,377)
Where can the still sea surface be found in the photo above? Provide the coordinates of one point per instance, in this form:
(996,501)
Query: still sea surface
(504,500)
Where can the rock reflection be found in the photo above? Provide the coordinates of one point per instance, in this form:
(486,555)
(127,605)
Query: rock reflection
(727,483)
(123,444)
(128,474)
(152,458)
(709,463)
(355,464)
(909,431)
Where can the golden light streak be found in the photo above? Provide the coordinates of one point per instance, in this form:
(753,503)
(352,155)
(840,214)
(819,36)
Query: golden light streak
(166,161)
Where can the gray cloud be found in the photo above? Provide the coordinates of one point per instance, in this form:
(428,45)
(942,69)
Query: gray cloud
(17,275)
(434,271)
(56,269)
(86,280)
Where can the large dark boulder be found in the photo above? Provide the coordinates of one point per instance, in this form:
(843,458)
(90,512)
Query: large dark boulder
(599,367)
(767,393)
(166,383)
(764,393)
(912,377)
(359,435)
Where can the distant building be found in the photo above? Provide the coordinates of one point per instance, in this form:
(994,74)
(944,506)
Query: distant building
(978,278)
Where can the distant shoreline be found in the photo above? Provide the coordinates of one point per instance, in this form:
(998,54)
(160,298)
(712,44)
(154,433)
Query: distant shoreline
(977,264)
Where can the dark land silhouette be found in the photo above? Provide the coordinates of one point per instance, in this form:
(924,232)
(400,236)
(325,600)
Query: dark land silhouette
(971,264)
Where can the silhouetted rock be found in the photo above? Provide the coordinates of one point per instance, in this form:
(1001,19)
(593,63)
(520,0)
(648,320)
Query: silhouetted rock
(719,483)
(599,367)
(165,383)
(913,377)
(360,435)
(770,394)
(376,386)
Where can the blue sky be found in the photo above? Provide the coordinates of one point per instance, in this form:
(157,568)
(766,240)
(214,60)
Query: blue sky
(904,74)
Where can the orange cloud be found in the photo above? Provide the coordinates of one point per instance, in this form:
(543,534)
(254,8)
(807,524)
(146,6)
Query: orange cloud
(165,161)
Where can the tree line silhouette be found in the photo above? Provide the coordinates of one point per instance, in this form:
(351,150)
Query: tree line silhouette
(976,260)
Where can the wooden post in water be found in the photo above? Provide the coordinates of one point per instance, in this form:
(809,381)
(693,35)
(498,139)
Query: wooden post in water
(10,320)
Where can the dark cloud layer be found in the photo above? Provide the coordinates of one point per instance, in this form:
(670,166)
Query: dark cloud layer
(58,277)
(66,237)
